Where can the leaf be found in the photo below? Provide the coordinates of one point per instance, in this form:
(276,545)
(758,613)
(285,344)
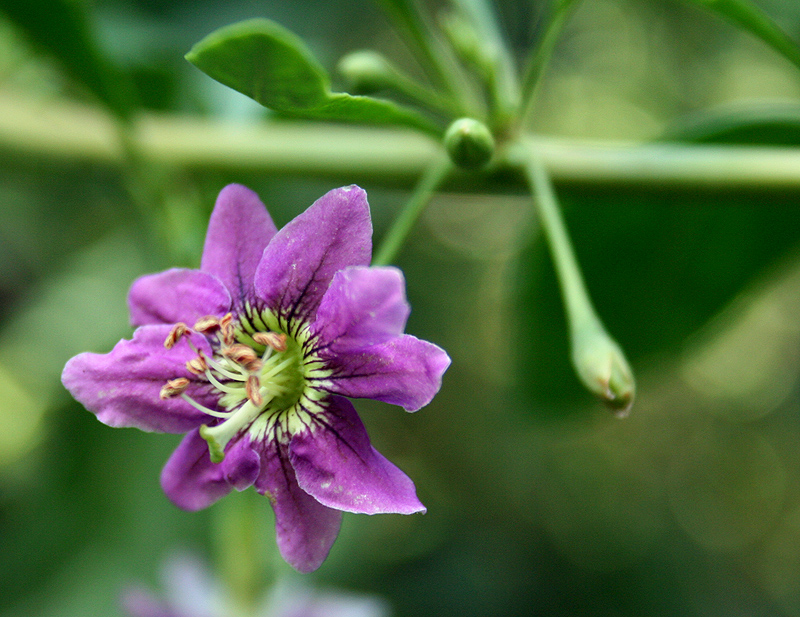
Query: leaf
(776,124)
(271,65)
(64,29)
(751,18)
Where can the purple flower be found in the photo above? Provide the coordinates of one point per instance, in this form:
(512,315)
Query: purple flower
(253,355)
(190,590)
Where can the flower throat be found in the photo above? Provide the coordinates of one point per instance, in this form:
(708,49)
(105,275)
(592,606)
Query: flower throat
(255,369)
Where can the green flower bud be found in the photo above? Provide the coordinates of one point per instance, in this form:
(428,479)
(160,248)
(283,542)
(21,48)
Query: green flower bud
(469,143)
(367,71)
(602,367)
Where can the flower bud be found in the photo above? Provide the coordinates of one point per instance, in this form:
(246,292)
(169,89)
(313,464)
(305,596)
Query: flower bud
(603,369)
(366,71)
(469,143)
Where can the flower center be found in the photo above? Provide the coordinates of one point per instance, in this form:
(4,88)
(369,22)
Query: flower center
(255,369)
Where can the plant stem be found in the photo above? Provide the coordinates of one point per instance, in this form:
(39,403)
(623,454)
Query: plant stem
(540,56)
(598,360)
(393,241)
(80,133)
(242,553)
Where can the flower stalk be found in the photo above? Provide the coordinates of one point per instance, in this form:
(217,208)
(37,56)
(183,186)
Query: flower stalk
(393,241)
(597,358)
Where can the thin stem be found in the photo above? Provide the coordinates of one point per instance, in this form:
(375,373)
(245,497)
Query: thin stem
(239,528)
(437,59)
(597,358)
(580,311)
(393,241)
(502,80)
(540,56)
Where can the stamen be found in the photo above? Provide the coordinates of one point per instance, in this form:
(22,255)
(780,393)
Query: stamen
(274,340)
(179,330)
(253,390)
(221,386)
(198,365)
(209,323)
(204,409)
(226,327)
(173,387)
(243,355)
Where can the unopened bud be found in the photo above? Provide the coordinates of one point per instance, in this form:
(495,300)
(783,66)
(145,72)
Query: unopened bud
(366,71)
(469,143)
(603,369)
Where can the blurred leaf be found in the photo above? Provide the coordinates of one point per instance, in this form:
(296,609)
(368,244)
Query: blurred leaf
(64,29)
(776,125)
(266,62)
(751,18)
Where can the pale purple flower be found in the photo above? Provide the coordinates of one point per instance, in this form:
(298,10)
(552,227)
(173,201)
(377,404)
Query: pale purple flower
(190,590)
(253,355)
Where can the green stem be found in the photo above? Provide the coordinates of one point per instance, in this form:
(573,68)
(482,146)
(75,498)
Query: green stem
(437,59)
(242,553)
(540,56)
(393,241)
(502,79)
(80,133)
(598,360)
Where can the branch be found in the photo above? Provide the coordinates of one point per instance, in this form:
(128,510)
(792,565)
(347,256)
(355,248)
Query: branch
(76,132)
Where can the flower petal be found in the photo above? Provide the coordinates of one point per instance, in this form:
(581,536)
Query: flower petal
(305,528)
(404,371)
(239,230)
(300,261)
(363,306)
(241,464)
(177,295)
(336,464)
(190,480)
(122,387)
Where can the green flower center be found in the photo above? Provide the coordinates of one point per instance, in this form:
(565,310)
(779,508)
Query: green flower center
(259,371)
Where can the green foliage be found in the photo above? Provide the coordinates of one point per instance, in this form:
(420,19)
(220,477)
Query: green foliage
(65,30)
(266,62)
(751,18)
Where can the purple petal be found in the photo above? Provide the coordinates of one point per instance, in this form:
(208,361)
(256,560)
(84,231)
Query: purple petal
(300,261)
(139,602)
(190,480)
(305,528)
(177,295)
(122,387)
(241,464)
(239,230)
(336,464)
(363,306)
(404,371)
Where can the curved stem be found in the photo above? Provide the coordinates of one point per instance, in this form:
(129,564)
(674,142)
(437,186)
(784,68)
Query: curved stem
(393,241)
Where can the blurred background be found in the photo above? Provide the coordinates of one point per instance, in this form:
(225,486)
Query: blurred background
(539,501)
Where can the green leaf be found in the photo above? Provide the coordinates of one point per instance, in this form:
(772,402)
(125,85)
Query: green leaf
(266,62)
(751,18)
(64,29)
(775,124)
